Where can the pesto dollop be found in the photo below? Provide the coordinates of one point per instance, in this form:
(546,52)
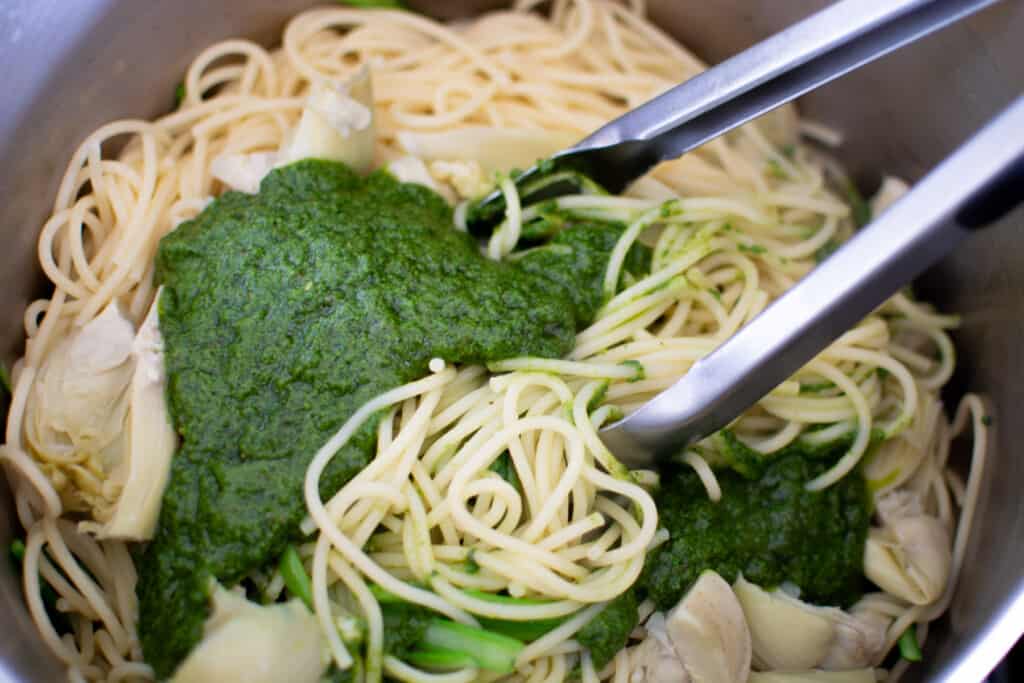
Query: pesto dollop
(608,632)
(282,313)
(769,527)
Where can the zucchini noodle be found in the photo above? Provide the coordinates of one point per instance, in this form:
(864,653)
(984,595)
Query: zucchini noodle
(732,226)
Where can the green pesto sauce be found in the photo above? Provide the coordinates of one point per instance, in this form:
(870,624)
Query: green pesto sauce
(608,632)
(282,313)
(576,259)
(751,463)
(770,528)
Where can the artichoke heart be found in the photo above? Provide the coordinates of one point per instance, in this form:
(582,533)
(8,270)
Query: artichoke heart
(243,641)
(243,172)
(77,408)
(786,633)
(814,676)
(97,422)
(791,635)
(151,441)
(910,557)
(861,636)
(337,124)
(709,633)
(655,659)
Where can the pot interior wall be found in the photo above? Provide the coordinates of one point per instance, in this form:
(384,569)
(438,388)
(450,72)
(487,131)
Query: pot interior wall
(73,66)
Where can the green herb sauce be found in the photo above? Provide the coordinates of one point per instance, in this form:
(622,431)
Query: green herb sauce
(282,313)
(607,633)
(770,528)
(576,259)
(751,463)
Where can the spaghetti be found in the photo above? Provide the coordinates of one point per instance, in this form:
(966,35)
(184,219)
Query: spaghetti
(731,226)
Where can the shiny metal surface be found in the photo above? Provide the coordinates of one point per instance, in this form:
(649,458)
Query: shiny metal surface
(73,65)
(817,50)
(975,186)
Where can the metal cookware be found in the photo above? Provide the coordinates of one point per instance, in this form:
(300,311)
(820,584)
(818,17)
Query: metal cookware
(71,65)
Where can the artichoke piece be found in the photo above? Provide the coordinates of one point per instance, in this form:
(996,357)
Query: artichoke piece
(786,633)
(151,440)
(466,178)
(98,401)
(80,394)
(250,643)
(243,172)
(815,676)
(337,125)
(910,557)
(860,639)
(410,169)
(494,149)
(791,635)
(77,408)
(655,659)
(709,632)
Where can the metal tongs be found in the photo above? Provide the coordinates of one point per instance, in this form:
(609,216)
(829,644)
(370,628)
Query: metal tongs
(974,187)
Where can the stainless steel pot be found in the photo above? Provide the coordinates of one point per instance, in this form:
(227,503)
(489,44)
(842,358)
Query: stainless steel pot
(71,65)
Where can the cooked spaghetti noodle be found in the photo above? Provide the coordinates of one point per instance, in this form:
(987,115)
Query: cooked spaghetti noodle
(732,226)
